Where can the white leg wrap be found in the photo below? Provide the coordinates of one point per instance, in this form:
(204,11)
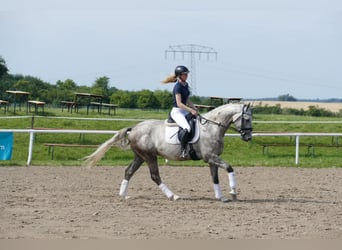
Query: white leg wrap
(232,182)
(166,191)
(217,190)
(123,188)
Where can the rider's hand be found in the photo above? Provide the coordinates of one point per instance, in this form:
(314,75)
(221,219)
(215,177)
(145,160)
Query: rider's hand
(194,112)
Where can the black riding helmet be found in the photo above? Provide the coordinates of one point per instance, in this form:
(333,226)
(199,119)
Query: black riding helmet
(181,70)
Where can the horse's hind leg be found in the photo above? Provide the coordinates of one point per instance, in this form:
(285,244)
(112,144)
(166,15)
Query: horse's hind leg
(129,172)
(155,176)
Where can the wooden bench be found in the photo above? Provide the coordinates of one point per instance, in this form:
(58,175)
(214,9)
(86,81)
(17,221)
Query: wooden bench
(313,145)
(69,105)
(36,104)
(265,146)
(310,146)
(52,146)
(100,106)
(110,107)
(97,105)
(4,104)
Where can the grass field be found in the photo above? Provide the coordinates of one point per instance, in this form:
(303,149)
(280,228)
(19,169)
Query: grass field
(237,152)
(333,107)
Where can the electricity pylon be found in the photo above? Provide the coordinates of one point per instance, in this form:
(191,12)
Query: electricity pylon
(192,51)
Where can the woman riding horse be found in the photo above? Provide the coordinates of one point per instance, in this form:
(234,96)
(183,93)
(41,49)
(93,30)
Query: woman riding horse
(147,141)
(182,105)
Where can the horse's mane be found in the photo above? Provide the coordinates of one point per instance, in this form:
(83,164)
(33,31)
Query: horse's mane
(226,108)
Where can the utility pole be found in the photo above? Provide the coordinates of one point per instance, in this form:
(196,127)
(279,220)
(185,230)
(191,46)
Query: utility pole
(192,51)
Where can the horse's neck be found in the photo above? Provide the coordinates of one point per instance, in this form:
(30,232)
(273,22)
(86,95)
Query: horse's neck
(224,114)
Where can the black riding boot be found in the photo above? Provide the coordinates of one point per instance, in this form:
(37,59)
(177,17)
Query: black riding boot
(184,139)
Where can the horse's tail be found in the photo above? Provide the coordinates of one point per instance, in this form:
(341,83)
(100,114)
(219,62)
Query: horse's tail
(119,139)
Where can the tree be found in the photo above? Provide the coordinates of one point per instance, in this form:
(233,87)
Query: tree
(125,99)
(164,98)
(39,90)
(65,91)
(3,67)
(68,84)
(287,98)
(100,87)
(147,100)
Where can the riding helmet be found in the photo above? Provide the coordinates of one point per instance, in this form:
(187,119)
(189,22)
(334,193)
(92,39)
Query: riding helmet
(181,70)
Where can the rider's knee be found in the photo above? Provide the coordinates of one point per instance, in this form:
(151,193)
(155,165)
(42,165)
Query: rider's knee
(188,128)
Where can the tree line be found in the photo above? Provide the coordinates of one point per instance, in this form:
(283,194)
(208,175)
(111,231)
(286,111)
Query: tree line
(142,99)
(65,91)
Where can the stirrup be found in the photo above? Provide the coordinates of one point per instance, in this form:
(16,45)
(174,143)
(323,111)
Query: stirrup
(183,153)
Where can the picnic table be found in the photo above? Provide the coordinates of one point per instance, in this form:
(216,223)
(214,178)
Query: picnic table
(221,100)
(216,99)
(4,104)
(16,98)
(89,97)
(35,104)
(234,100)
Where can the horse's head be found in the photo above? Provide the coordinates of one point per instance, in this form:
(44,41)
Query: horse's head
(243,122)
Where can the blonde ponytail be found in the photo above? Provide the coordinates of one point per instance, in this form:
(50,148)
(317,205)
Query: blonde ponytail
(171,78)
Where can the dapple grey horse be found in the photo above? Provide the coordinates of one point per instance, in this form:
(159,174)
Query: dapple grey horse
(147,141)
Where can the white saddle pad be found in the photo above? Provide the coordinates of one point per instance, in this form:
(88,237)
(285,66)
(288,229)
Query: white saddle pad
(171,133)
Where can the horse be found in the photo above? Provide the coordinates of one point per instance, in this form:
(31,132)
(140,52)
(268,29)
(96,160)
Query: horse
(147,141)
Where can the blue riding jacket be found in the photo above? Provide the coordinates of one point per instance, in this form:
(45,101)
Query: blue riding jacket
(183,91)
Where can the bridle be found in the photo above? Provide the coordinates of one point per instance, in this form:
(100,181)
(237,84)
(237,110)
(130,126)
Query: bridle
(243,130)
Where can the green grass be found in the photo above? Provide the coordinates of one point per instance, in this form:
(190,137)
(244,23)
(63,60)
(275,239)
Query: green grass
(237,152)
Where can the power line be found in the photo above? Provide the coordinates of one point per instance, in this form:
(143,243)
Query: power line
(192,51)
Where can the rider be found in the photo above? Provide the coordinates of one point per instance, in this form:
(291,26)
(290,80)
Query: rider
(181,104)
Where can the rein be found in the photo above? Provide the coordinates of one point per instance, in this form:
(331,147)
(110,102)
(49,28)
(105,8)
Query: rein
(206,120)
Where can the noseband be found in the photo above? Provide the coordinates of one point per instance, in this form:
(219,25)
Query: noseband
(244,130)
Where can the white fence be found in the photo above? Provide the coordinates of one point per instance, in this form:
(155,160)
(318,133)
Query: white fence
(297,137)
(32,132)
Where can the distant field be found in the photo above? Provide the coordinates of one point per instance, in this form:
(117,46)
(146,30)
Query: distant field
(334,107)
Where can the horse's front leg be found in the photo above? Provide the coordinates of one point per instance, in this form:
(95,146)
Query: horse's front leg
(215,178)
(216,162)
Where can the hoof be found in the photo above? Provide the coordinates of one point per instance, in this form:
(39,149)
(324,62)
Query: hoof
(124,198)
(223,199)
(234,197)
(233,194)
(175,197)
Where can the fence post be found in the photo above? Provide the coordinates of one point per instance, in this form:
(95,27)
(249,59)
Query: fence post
(29,159)
(297,149)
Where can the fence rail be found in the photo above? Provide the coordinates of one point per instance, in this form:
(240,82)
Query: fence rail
(32,132)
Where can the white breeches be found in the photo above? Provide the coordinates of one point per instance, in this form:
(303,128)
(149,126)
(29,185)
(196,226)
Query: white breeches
(178,115)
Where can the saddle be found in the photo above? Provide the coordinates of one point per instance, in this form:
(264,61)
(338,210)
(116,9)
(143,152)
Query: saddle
(192,122)
(172,133)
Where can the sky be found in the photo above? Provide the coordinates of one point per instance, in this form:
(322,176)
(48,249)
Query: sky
(265,48)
